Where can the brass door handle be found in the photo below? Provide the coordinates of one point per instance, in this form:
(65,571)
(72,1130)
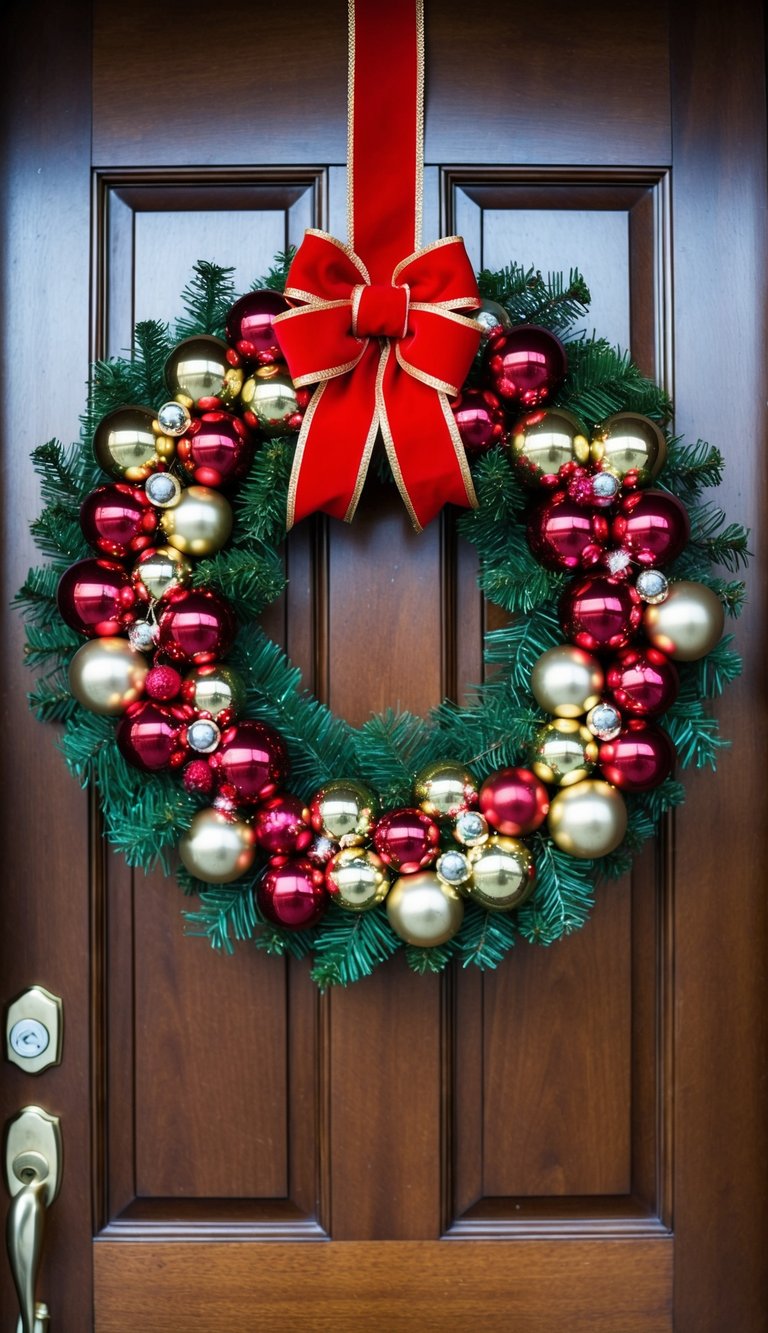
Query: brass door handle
(33,1176)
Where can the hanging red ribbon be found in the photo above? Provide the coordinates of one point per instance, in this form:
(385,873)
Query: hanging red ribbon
(378,329)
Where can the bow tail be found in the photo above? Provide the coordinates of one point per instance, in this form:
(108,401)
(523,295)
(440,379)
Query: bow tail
(423,443)
(335,444)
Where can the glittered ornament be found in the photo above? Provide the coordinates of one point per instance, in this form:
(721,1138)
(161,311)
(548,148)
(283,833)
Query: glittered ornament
(453,868)
(162,683)
(470,828)
(631,446)
(356,879)
(198,778)
(292,894)
(604,721)
(106,675)
(250,326)
(343,808)
(588,820)
(480,419)
(217,847)
(563,752)
(195,625)
(639,759)
(597,490)
(688,624)
(525,365)
(567,681)
(652,586)
(163,490)
(492,318)
(200,523)
(217,448)
(564,535)
(95,597)
(514,801)
(252,760)
(407,840)
(125,443)
(444,788)
(197,371)
(653,526)
(269,401)
(216,690)
(544,442)
(159,570)
(423,910)
(598,612)
(117,520)
(320,850)
(503,874)
(146,735)
(642,682)
(281,826)
(173,418)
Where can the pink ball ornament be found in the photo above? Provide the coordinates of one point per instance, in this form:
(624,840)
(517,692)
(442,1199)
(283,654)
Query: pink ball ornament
(525,365)
(480,419)
(514,801)
(292,893)
(217,448)
(639,759)
(653,526)
(147,735)
(407,840)
(198,778)
(251,762)
(162,683)
(564,535)
(196,625)
(250,327)
(118,520)
(643,682)
(598,612)
(281,826)
(95,598)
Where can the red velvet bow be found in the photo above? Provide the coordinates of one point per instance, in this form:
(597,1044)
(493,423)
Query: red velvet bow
(342,339)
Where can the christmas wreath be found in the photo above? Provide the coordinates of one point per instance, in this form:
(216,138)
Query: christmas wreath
(449,836)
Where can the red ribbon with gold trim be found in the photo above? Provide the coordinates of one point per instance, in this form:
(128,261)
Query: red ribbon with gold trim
(379,329)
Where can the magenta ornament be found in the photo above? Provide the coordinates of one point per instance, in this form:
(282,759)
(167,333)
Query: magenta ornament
(118,520)
(480,419)
(525,365)
(514,801)
(147,734)
(95,598)
(250,326)
(564,534)
(251,762)
(217,448)
(639,759)
(407,840)
(653,526)
(643,682)
(292,893)
(196,625)
(598,612)
(281,826)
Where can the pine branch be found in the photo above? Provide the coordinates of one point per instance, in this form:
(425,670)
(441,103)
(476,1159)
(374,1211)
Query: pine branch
(54,641)
(148,367)
(529,298)
(717,669)
(207,299)
(517,647)
(251,580)
(691,468)
(485,937)
(602,380)
(351,945)
(36,598)
(562,898)
(390,748)
(723,543)
(277,276)
(51,699)
(226,913)
(261,503)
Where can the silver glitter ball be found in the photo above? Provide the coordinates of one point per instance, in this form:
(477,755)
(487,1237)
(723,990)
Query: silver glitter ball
(453,868)
(652,586)
(604,721)
(470,828)
(162,489)
(605,485)
(173,418)
(142,636)
(203,736)
(617,561)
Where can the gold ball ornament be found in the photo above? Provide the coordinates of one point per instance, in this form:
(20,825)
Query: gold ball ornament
(344,810)
(543,442)
(357,879)
(125,444)
(629,443)
(200,523)
(444,788)
(157,571)
(424,911)
(503,874)
(215,690)
(217,847)
(564,752)
(567,681)
(269,401)
(688,623)
(491,317)
(106,675)
(588,820)
(197,369)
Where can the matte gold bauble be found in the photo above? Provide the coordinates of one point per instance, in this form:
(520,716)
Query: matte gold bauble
(197,369)
(444,788)
(503,874)
(564,752)
(567,681)
(160,570)
(588,820)
(200,523)
(688,623)
(125,445)
(344,810)
(544,441)
(357,879)
(106,675)
(217,847)
(424,911)
(269,396)
(215,690)
(629,443)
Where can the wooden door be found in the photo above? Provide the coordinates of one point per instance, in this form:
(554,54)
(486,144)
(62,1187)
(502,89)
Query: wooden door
(576,1142)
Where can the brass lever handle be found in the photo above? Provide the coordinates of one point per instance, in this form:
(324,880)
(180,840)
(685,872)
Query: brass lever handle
(26,1221)
(33,1175)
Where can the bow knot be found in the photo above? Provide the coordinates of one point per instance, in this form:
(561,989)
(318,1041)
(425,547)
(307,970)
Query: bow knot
(379,311)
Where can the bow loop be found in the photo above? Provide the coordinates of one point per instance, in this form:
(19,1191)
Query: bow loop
(441,274)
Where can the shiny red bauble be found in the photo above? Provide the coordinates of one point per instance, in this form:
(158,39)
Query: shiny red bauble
(118,520)
(250,327)
(251,761)
(292,893)
(408,840)
(599,612)
(525,365)
(281,826)
(514,801)
(196,625)
(217,448)
(564,535)
(640,758)
(480,418)
(147,734)
(653,526)
(95,597)
(643,682)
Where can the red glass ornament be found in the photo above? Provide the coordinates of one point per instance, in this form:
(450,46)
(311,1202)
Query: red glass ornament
(653,526)
(197,625)
(564,535)
(146,735)
(198,778)
(514,801)
(292,893)
(599,612)
(162,682)
(118,519)
(95,598)
(643,682)
(525,365)
(250,327)
(480,418)
(639,759)
(281,826)
(408,840)
(251,760)
(218,447)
